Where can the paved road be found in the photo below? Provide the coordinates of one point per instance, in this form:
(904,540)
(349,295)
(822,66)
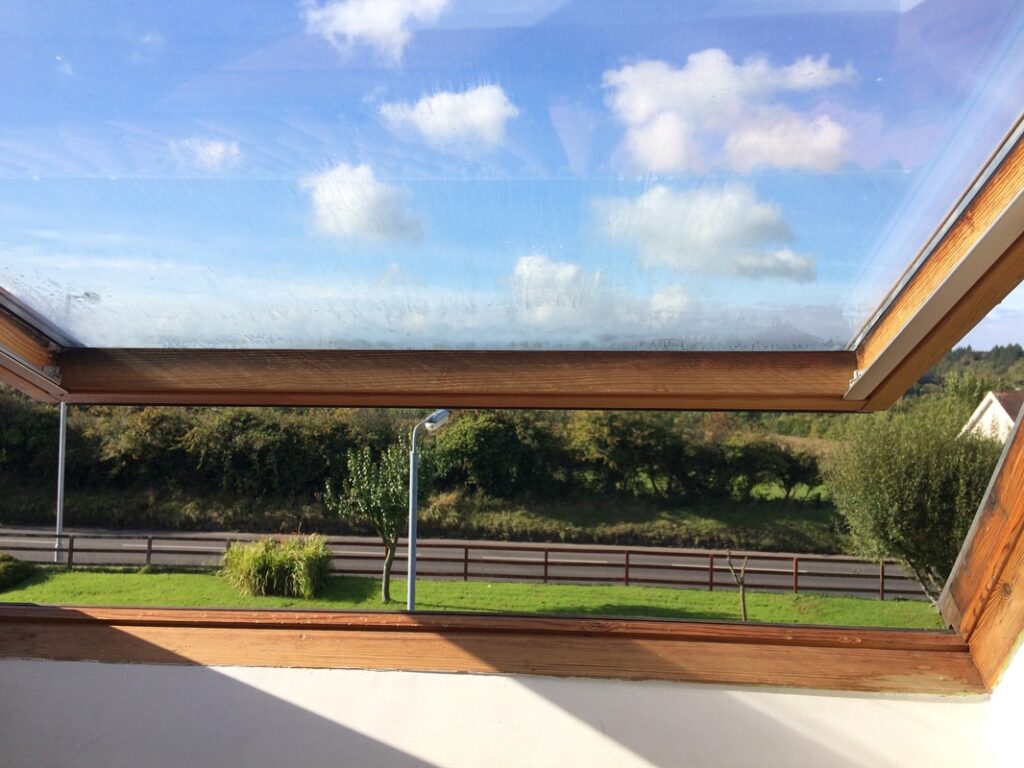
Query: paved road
(447,558)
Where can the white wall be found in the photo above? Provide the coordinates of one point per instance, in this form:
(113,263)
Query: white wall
(1007,713)
(88,714)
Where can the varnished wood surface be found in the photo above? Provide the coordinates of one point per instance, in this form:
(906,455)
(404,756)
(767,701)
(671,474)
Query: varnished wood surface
(984,598)
(25,342)
(682,380)
(972,308)
(993,198)
(803,657)
(11,377)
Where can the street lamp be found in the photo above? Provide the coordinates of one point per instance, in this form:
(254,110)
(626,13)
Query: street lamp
(432,423)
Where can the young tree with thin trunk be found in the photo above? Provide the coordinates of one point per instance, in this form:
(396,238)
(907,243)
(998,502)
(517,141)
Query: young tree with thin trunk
(740,577)
(375,493)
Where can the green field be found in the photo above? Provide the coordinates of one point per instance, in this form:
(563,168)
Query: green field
(112,587)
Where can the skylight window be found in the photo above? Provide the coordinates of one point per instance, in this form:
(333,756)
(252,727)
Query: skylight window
(456,175)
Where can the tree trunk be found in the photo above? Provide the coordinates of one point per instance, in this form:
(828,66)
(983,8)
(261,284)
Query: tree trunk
(928,584)
(385,581)
(740,578)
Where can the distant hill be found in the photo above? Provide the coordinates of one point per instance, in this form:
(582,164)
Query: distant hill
(1002,367)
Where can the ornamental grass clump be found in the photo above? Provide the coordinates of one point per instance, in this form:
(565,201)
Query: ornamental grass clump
(295,567)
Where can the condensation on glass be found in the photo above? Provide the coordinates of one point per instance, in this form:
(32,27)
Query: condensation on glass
(487,175)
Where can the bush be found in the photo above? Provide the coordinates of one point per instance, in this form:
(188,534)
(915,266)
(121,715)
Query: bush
(909,484)
(14,571)
(295,567)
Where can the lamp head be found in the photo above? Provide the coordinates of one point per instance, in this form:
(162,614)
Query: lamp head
(436,420)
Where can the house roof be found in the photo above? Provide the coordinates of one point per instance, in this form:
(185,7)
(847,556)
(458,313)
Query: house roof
(1011,402)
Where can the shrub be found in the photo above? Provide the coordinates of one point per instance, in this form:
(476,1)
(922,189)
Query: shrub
(908,484)
(296,567)
(14,571)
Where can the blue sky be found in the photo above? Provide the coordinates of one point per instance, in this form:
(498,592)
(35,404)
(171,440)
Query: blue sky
(437,173)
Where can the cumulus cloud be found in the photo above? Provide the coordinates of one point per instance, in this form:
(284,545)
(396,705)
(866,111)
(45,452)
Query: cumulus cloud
(763,142)
(724,230)
(351,203)
(208,154)
(380,24)
(466,119)
(671,300)
(546,292)
(677,118)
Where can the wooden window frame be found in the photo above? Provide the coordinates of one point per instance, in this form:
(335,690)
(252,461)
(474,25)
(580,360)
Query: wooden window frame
(976,259)
(983,600)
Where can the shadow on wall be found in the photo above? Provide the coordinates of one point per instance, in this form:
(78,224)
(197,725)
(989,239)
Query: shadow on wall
(92,714)
(152,714)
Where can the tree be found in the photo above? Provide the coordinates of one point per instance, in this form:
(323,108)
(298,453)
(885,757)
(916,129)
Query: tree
(908,484)
(798,468)
(375,493)
(636,452)
(740,577)
(482,449)
(752,462)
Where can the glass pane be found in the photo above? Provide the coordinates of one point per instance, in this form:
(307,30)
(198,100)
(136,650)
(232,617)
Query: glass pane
(543,174)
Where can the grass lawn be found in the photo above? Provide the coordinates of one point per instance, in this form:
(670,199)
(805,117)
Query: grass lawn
(112,587)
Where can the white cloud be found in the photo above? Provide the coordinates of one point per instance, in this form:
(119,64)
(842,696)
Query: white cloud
(664,144)
(349,202)
(208,154)
(463,119)
(671,300)
(380,24)
(546,292)
(781,137)
(677,118)
(724,230)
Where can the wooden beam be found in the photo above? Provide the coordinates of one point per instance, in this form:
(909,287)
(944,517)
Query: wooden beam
(975,265)
(25,353)
(662,380)
(24,342)
(802,657)
(984,597)
(970,310)
(26,381)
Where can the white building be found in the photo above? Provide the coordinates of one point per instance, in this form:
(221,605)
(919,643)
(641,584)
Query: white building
(995,416)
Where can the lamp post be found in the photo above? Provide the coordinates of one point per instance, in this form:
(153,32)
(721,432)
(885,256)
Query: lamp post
(432,423)
(62,443)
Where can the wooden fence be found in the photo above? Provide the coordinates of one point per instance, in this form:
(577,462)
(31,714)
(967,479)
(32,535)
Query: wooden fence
(547,563)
